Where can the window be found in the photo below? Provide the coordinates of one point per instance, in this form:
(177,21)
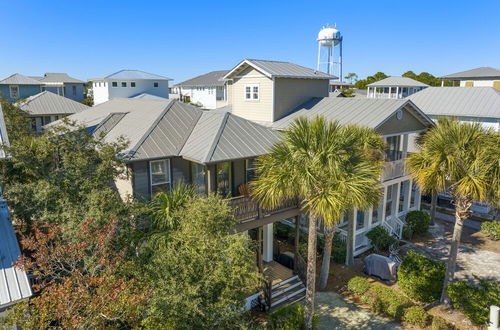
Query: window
(360,220)
(14,92)
(413,194)
(390,198)
(377,209)
(33,124)
(249,170)
(124,84)
(252,92)
(46,120)
(223,171)
(198,175)
(403,195)
(160,175)
(43,88)
(114,84)
(393,151)
(155,84)
(74,90)
(132,84)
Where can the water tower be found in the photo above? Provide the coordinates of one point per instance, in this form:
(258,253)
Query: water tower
(328,39)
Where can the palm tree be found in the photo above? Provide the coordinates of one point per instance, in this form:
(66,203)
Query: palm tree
(306,164)
(464,159)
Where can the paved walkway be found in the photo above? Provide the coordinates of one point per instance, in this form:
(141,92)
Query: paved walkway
(336,313)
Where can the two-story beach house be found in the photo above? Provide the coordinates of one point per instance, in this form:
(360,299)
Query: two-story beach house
(64,85)
(171,141)
(16,87)
(478,77)
(208,90)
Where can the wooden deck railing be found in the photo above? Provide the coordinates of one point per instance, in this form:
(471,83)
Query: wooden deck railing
(247,209)
(301,268)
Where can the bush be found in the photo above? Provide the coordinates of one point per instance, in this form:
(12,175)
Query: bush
(380,239)
(386,301)
(290,317)
(339,249)
(491,229)
(475,301)
(421,278)
(416,315)
(358,285)
(438,323)
(417,222)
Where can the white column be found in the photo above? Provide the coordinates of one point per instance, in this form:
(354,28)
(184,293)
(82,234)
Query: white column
(405,145)
(397,93)
(407,193)
(384,202)
(268,242)
(395,199)
(418,197)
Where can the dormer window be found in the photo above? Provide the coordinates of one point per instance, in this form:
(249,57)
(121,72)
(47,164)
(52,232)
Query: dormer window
(252,92)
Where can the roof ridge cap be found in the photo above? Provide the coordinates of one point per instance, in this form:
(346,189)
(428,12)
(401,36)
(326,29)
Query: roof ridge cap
(211,150)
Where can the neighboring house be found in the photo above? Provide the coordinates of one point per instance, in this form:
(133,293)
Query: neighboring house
(64,85)
(479,77)
(129,83)
(17,87)
(337,86)
(209,90)
(394,88)
(46,107)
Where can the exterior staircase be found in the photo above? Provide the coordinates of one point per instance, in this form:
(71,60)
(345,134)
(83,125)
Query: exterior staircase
(288,291)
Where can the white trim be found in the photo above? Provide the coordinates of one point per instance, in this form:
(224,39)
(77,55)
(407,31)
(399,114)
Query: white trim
(252,92)
(168,172)
(403,133)
(251,76)
(18,92)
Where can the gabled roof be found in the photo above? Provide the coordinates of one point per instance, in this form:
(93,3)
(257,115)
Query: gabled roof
(397,82)
(14,283)
(459,101)
(48,103)
(53,77)
(19,79)
(348,110)
(214,78)
(276,69)
(482,72)
(148,96)
(4,138)
(135,74)
(169,128)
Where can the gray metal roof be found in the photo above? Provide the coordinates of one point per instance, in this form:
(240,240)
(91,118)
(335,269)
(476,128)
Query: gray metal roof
(276,69)
(54,77)
(19,79)
(347,110)
(48,103)
(4,138)
(14,283)
(397,82)
(481,73)
(135,74)
(459,101)
(148,96)
(214,78)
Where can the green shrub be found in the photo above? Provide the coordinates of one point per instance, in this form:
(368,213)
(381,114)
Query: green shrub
(416,315)
(283,232)
(491,229)
(438,323)
(339,249)
(380,239)
(358,285)
(290,317)
(475,301)
(386,301)
(421,278)
(417,222)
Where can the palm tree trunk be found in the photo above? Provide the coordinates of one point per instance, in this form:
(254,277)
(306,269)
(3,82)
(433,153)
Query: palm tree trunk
(327,253)
(311,272)
(349,260)
(462,207)
(434,198)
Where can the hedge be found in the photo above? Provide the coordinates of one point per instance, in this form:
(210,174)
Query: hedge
(358,285)
(417,222)
(491,229)
(421,278)
(416,315)
(438,323)
(380,239)
(386,301)
(290,317)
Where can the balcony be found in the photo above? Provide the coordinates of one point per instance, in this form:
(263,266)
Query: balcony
(250,214)
(393,170)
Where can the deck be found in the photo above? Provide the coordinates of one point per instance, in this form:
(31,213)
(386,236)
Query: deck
(277,272)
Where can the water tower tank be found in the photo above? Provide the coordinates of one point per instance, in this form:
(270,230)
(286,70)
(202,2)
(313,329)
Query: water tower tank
(329,36)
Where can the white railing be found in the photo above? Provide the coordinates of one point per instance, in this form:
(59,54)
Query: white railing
(394,226)
(392,170)
(343,234)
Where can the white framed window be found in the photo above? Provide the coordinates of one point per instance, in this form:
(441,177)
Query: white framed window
(252,92)
(124,84)
(114,84)
(155,84)
(249,170)
(159,175)
(132,84)
(14,92)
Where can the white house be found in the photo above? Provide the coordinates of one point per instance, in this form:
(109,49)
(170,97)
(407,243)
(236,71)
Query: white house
(209,90)
(394,88)
(479,77)
(127,84)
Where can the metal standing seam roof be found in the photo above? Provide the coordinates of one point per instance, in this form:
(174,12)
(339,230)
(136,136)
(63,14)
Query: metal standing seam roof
(134,74)
(276,69)
(14,283)
(48,103)
(458,101)
(482,72)
(361,111)
(214,78)
(19,79)
(54,77)
(397,82)
(148,96)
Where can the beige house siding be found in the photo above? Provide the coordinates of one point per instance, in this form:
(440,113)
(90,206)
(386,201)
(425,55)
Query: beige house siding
(260,110)
(408,123)
(290,93)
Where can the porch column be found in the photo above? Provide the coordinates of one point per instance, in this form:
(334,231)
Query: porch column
(259,250)
(395,199)
(407,192)
(211,188)
(405,146)
(383,204)
(418,198)
(267,252)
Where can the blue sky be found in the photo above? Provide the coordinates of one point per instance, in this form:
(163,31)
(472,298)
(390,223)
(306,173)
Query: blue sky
(181,39)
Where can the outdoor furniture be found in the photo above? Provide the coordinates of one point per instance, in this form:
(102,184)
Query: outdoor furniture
(380,266)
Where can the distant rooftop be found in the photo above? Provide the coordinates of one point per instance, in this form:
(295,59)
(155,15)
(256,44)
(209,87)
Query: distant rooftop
(277,69)
(134,74)
(19,79)
(48,103)
(148,96)
(214,78)
(397,82)
(54,77)
(481,73)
